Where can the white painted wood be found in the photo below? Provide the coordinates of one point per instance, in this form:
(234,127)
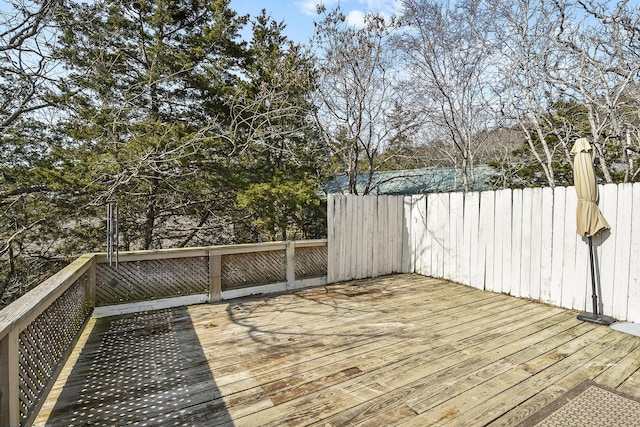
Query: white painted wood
(392,243)
(359,238)
(525,255)
(382,235)
(421,244)
(557,246)
(435,233)
(334,245)
(535,243)
(501,226)
(331,238)
(400,227)
(447,252)
(375,241)
(407,236)
(345,245)
(484,234)
(386,243)
(546,243)
(370,217)
(576,258)
(429,245)
(633,310)
(622,260)
(472,217)
(506,212)
(486,244)
(159,304)
(335,249)
(354,231)
(456,235)
(388,250)
(605,243)
(516,242)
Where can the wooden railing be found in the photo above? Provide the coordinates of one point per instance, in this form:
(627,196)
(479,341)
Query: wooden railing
(39,330)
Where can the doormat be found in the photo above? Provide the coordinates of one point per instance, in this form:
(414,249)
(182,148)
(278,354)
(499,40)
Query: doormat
(589,404)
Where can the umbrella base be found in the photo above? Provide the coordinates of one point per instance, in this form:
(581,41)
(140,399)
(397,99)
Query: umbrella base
(599,319)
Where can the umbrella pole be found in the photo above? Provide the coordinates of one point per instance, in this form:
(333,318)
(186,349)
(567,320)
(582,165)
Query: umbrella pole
(594,294)
(594,317)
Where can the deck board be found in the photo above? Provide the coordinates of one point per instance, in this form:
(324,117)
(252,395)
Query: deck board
(403,349)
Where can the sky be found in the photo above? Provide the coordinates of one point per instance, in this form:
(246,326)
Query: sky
(299,15)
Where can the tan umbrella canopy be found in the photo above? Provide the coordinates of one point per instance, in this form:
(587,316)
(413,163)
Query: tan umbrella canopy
(589,219)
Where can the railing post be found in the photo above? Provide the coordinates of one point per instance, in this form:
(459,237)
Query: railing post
(215,276)
(91,283)
(9,387)
(290,254)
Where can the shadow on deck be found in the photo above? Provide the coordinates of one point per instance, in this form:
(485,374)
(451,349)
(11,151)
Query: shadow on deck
(143,369)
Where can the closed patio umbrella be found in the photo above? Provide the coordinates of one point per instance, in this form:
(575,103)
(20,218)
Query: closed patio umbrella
(589,219)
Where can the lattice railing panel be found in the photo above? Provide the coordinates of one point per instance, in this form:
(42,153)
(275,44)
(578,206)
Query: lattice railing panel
(311,261)
(44,343)
(134,281)
(251,269)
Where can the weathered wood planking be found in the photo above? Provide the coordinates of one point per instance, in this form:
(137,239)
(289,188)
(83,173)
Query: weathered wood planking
(546,250)
(502,232)
(384,351)
(606,243)
(557,247)
(471,219)
(516,242)
(622,260)
(526,243)
(634,255)
(456,236)
(419,228)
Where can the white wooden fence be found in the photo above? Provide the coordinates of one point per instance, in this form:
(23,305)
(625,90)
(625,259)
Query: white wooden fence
(518,242)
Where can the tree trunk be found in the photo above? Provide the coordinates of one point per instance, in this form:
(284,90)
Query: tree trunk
(150,218)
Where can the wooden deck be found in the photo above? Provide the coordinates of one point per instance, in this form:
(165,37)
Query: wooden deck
(386,351)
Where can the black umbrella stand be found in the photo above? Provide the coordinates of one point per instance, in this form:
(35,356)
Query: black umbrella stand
(594,317)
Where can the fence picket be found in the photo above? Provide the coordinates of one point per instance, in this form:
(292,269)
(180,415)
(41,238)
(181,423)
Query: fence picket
(472,217)
(486,246)
(546,244)
(506,224)
(606,248)
(458,266)
(525,260)
(622,251)
(633,311)
(516,241)
(557,246)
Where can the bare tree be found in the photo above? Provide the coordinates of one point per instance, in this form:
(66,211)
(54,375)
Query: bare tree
(600,71)
(355,96)
(449,54)
(528,52)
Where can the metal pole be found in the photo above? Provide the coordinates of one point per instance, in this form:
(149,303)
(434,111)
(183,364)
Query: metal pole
(116,235)
(109,232)
(594,295)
